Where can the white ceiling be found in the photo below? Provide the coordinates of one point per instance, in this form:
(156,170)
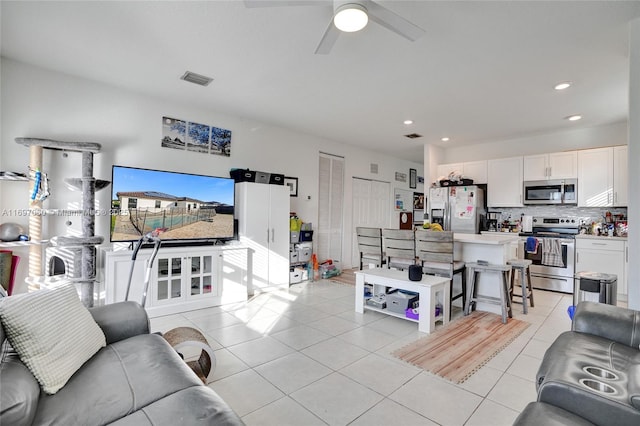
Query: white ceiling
(484,71)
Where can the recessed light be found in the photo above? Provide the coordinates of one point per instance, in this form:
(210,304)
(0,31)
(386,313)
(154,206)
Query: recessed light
(407,122)
(445,139)
(574,117)
(563,85)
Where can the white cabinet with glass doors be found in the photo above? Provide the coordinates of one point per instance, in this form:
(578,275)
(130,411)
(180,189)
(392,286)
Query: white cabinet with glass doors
(181,278)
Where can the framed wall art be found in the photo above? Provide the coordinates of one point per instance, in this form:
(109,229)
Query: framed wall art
(196,137)
(292,183)
(413,178)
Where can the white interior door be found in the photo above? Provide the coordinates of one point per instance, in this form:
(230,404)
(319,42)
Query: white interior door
(330,205)
(370,208)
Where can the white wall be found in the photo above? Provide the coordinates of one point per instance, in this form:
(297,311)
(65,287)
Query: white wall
(46,104)
(592,137)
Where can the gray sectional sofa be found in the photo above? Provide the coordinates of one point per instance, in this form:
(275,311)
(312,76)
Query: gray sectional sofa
(591,374)
(137,379)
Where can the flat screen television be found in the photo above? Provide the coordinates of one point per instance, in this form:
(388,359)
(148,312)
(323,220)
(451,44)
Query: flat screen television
(179,207)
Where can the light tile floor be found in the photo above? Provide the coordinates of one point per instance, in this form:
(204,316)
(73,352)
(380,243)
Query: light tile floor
(303,356)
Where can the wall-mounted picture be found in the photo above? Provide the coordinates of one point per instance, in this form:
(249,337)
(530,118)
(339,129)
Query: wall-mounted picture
(292,183)
(220,141)
(198,140)
(418,201)
(195,137)
(413,178)
(174,133)
(401,177)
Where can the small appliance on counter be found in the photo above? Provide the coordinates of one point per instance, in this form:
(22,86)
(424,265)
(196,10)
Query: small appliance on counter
(492,221)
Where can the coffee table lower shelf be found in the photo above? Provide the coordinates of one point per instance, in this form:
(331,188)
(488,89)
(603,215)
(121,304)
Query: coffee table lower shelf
(397,315)
(428,289)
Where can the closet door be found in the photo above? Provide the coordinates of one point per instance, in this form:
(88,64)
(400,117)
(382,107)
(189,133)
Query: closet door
(371,205)
(330,204)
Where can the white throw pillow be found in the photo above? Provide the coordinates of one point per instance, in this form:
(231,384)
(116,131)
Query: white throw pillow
(52,332)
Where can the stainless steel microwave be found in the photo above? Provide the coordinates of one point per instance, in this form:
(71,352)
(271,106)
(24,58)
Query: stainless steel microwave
(561,191)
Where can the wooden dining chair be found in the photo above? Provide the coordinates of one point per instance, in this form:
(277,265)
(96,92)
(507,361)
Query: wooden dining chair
(370,246)
(434,251)
(399,248)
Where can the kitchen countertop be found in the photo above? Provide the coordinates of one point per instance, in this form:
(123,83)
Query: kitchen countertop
(498,238)
(600,237)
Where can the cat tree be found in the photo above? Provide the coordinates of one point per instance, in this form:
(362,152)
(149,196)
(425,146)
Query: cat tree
(82,246)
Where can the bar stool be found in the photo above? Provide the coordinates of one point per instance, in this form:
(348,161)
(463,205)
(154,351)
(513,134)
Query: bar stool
(504,301)
(522,266)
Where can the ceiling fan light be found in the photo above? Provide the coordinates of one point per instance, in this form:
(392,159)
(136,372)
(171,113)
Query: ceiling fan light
(351,17)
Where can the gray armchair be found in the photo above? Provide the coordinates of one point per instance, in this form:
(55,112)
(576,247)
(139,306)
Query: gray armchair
(593,371)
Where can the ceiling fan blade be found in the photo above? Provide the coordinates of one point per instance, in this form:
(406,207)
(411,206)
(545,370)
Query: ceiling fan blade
(392,21)
(278,3)
(328,39)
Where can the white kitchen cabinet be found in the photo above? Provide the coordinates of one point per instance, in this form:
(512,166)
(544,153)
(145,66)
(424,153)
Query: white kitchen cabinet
(535,167)
(620,176)
(504,182)
(181,278)
(603,255)
(595,177)
(443,170)
(262,211)
(557,165)
(476,170)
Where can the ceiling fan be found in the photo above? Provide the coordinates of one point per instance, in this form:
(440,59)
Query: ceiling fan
(350,16)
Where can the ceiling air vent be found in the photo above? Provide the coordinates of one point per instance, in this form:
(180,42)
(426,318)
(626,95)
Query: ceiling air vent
(373,168)
(192,77)
(413,136)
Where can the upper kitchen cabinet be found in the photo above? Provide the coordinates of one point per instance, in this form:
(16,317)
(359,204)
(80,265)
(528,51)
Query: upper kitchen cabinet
(602,177)
(504,182)
(476,170)
(445,169)
(595,177)
(620,176)
(557,165)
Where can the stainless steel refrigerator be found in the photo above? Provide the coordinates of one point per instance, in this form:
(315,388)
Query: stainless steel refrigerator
(457,208)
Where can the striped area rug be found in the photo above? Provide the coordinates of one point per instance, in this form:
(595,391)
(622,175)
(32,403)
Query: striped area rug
(459,349)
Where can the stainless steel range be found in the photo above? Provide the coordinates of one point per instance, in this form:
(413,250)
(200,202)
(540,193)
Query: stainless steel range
(553,264)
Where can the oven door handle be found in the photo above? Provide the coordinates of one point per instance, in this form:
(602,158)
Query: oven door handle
(563,242)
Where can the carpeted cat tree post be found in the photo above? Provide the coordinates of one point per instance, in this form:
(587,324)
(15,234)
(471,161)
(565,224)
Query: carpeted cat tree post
(84,245)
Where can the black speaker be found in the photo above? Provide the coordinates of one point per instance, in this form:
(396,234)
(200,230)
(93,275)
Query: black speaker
(415,272)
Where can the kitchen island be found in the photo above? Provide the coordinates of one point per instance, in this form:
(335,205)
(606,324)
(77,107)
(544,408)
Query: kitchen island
(495,249)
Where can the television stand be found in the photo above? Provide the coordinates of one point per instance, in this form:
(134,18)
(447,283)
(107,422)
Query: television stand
(183,277)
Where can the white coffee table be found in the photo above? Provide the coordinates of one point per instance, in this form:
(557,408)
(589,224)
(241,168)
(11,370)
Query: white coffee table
(427,288)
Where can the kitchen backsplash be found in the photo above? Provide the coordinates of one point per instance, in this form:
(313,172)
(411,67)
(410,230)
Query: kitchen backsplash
(588,215)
